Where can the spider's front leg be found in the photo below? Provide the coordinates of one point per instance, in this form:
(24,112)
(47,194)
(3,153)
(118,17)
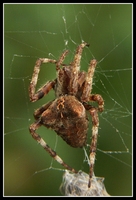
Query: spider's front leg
(33,127)
(88,81)
(34,96)
(73,86)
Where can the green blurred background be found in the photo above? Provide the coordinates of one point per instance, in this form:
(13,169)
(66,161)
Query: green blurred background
(44,30)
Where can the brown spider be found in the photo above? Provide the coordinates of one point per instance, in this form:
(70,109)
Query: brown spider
(66,114)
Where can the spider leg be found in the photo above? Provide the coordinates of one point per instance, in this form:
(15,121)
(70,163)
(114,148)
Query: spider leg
(60,72)
(95,125)
(88,81)
(97,98)
(34,96)
(61,59)
(32,129)
(75,69)
(40,110)
(41,92)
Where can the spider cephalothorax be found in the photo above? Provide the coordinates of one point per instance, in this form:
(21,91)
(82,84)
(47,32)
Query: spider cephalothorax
(67,114)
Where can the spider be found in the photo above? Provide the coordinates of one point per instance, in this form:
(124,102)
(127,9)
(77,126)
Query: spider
(67,113)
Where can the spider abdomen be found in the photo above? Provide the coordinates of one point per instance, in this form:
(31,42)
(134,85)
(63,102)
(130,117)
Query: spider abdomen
(67,117)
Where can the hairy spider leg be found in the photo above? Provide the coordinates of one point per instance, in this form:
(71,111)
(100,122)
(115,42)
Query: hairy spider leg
(97,98)
(60,72)
(39,111)
(42,91)
(34,96)
(88,81)
(32,129)
(61,59)
(95,124)
(87,89)
(75,69)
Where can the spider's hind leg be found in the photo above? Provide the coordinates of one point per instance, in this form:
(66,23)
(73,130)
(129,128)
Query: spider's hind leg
(93,147)
(95,125)
(33,127)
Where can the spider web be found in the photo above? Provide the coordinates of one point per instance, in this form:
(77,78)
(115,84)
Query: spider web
(44,30)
